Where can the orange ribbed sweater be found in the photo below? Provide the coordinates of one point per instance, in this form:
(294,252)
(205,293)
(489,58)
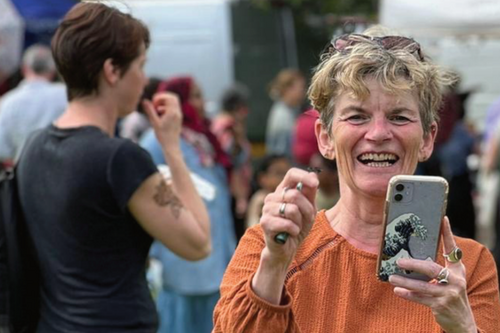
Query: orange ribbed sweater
(331,287)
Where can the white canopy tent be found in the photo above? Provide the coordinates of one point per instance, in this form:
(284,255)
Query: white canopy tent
(443,17)
(189,37)
(461,34)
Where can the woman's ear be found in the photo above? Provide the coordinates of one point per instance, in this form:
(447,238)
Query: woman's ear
(427,145)
(111,73)
(325,141)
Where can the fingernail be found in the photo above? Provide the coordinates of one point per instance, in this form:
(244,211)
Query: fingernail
(401,262)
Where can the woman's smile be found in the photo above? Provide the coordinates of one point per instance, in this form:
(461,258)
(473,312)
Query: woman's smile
(378,160)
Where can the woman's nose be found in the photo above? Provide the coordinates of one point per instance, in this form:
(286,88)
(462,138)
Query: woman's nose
(379,130)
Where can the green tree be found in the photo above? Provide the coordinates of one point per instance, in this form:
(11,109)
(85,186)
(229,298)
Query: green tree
(342,7)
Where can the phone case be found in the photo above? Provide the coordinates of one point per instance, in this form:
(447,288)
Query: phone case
(414,209)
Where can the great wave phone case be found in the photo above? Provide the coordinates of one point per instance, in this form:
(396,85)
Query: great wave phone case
(414,209)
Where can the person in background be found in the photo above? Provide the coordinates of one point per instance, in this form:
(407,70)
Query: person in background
(229,126)
(288,92)
(307,155)
(272,169)
(452,147)
(93,202)
(33,104)
(491,122)
(491,164)
(137,123)
(305,144)
(328,189)
(452,153)
(191,290)
(378,97)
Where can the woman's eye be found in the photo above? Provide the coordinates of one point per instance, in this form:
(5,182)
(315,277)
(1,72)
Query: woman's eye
(400,119)
(357,119)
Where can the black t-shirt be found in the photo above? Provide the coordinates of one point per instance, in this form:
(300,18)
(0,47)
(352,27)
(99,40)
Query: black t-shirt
(74,188)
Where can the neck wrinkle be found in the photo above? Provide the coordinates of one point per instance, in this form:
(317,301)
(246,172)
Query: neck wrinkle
(359,220)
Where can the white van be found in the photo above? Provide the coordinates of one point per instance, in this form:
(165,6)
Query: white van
(189,37)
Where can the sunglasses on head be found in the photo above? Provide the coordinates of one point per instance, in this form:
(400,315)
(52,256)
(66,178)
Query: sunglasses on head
(387,42)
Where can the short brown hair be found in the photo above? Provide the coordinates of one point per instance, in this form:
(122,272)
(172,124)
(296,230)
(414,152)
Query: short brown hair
(284,80)
(89,34)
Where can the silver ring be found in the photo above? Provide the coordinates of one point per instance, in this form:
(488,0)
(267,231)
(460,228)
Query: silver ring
(454,256)
(299,186)
(282,210)
(286,188)
(442,277)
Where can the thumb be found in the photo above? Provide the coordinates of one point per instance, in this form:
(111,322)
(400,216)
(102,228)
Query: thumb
(311,187)
(150,111)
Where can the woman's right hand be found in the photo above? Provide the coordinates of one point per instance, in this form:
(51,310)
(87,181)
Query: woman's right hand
(165,116)
(297,219)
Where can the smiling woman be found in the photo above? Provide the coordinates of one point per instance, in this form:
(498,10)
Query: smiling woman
(375,138)
(378,97)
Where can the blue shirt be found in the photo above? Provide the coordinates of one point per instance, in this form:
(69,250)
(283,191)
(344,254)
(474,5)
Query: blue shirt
(30,106)
(491,122)
(454,152)
(279,131)
(204,276)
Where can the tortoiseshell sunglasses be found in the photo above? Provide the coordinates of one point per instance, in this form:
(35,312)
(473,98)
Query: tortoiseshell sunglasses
(387,42)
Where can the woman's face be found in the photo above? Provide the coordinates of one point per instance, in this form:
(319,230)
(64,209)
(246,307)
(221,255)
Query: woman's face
(376,138)
(296,93)
(196,100)
(132,84)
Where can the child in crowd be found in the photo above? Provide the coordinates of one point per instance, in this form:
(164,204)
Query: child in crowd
(328,192)
(270,173)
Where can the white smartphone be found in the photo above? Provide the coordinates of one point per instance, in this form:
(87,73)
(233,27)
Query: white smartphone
(414,209)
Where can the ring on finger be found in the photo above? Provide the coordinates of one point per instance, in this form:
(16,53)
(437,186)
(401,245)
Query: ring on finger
(454,256)
(282,210)
(442,277)
(299,186)
(286,188)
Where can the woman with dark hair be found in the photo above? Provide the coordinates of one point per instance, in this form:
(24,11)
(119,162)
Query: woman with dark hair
(92,202)
(137,123)
(229,126)
(191,290)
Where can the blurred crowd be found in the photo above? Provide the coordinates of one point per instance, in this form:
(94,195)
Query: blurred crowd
(234,183)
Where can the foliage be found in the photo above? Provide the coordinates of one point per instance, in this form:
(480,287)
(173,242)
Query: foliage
(328,17)
(340,7)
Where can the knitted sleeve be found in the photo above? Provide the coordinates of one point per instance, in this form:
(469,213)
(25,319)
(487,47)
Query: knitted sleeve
(239,308)
(482,289)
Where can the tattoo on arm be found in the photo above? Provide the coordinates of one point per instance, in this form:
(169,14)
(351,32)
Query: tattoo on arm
(165,196)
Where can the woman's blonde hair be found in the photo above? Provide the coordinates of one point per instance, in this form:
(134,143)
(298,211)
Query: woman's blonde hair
(398,69)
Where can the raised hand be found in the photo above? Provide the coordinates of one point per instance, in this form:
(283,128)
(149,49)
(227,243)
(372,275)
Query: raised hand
(165,116)
(289,210)
(446,295)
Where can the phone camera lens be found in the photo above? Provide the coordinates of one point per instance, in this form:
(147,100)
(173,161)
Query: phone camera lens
(400,187)
(398,197)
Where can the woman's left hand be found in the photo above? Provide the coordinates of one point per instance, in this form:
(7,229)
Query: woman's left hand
(449,302)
